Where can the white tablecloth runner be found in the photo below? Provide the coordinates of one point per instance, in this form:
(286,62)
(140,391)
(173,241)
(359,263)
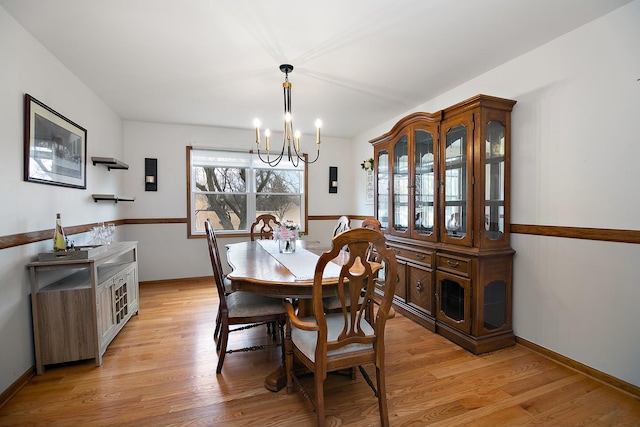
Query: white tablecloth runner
(301,263)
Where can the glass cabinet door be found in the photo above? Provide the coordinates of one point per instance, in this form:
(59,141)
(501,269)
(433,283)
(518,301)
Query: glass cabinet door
(424,182)
(401,186)
(494,209)
(456,183)
(453,300)
(382,182)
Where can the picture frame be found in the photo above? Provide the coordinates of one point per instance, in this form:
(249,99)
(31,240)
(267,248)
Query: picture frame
(55,148)
(368,198)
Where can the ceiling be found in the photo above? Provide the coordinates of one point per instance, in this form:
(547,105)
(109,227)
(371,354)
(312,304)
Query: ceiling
(357,62)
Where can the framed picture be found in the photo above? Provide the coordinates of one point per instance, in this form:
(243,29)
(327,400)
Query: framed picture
(368,199)
(55,148)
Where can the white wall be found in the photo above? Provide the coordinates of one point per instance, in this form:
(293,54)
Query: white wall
(574,163)
(27,67)
(574,156)
(164,250)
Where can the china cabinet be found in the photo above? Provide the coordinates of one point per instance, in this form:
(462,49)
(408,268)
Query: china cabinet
(442,196)
(80,304)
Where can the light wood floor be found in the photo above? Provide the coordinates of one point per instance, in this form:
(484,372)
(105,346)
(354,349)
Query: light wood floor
(160,371)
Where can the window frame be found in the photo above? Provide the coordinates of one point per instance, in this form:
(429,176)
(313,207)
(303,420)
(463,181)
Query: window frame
(250,192)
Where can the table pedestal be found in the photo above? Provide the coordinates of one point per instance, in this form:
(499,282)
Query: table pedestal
(276,380)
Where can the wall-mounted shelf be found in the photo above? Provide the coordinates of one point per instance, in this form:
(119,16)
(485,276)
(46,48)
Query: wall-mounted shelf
(111,198)
(109,162)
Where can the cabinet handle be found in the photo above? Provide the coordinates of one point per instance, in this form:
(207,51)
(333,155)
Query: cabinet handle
(397,278)
(419,286)
(452,264)
(420,256)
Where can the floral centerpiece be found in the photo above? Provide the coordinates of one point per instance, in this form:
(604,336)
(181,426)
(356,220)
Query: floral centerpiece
(367,164)
(286,235)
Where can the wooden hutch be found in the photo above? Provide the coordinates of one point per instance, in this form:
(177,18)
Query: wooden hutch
(442,196)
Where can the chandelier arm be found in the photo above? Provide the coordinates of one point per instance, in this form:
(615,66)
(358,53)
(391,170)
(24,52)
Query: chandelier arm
(308,161)
(273,162)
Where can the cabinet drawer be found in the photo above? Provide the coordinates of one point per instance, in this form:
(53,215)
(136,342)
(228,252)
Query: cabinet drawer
(422,257)
(453,264)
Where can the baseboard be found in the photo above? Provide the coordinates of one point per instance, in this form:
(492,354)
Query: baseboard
(583,369)
(208,279)
(16,386)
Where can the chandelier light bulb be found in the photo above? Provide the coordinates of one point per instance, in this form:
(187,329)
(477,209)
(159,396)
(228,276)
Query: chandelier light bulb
(297,136)
(256,124)
(267,134)
(318,126)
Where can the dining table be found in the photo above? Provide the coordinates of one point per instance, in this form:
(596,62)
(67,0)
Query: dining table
(259,267)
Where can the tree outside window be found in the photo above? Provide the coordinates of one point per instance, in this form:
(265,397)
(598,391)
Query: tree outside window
(232,189)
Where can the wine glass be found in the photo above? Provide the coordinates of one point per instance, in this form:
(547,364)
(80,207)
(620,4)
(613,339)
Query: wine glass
(111,232)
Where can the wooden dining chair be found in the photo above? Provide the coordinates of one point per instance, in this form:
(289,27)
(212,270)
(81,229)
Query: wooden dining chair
(263,227)
(337,341)
(241,308)
(343,224)
(372,224)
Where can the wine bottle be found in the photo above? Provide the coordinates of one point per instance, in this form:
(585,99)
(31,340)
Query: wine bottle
(59,240)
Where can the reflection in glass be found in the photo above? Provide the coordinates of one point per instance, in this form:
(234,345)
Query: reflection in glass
(456,181)
(425,182)
(401,184)
(452,299)
(383,188)
(495,304)
(494,184)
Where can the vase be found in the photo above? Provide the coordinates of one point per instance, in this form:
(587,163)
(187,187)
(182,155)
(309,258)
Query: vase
(287,246)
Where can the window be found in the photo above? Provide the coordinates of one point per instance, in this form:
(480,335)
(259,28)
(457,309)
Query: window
(233,188)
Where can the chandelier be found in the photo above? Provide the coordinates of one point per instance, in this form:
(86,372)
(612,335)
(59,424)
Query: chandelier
(291,139)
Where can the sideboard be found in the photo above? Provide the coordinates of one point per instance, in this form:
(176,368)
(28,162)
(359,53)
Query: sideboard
(89,301)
